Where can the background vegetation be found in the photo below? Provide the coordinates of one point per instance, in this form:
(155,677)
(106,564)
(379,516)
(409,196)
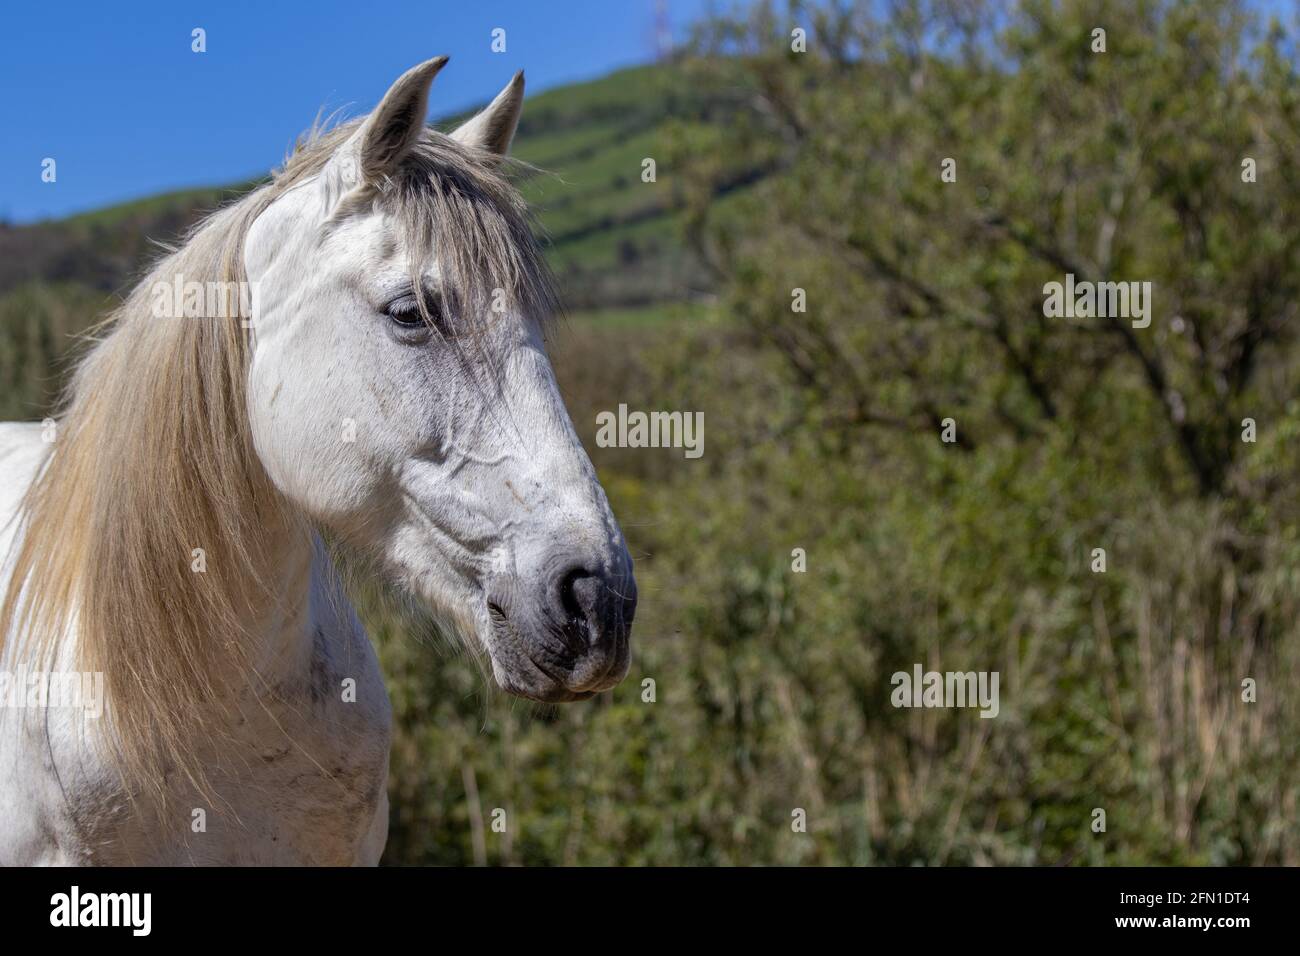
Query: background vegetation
(821,171)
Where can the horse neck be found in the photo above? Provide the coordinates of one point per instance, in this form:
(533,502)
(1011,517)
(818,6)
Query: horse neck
(280,629)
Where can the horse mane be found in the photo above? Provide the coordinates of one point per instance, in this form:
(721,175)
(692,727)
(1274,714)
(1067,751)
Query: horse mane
(154,458)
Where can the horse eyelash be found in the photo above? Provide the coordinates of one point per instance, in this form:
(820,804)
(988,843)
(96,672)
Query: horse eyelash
(406,304)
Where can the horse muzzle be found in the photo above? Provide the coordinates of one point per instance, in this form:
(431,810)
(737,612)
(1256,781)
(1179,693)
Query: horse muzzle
(566,634)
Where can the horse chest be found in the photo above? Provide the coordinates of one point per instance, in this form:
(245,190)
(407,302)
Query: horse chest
(315,793)
(299,780)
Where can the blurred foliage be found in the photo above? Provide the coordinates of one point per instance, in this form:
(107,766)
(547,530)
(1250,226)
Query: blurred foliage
(1121,690)
(821,171)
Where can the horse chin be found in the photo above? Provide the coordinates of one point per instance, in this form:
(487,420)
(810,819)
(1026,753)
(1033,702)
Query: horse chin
(554,694)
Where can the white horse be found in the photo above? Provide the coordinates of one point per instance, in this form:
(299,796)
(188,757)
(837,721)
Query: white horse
(389,389)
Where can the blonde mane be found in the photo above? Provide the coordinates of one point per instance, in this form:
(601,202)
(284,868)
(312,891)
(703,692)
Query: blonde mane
(154,458)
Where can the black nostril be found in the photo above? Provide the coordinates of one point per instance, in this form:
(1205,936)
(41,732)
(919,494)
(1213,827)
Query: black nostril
(591,608)
(575,601)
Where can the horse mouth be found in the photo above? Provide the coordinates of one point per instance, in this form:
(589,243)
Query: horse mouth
(534,670)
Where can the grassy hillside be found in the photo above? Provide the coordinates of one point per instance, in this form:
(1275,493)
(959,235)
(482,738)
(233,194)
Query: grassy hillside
(614,241)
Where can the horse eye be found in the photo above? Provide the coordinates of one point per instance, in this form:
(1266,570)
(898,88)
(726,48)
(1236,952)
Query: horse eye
(405,311)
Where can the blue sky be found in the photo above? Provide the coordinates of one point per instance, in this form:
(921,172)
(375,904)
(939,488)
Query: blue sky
(111,90)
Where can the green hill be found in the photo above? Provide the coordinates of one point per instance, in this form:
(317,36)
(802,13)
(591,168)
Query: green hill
(614,241)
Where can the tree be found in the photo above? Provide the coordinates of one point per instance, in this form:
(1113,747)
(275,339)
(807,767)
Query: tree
(940,166)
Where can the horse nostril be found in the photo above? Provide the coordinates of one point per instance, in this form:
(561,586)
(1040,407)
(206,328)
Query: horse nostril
(576,600)
(593,609)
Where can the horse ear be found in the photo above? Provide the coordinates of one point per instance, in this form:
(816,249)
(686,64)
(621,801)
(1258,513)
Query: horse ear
(494,128)
(396,122)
